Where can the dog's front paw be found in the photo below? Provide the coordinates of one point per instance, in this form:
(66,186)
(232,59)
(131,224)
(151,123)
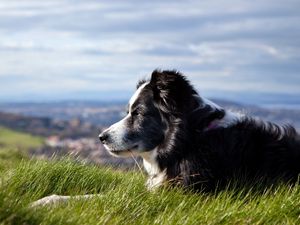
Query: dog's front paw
(49,200)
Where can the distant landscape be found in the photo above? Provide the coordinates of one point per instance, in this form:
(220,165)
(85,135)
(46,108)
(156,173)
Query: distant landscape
(72,127)
(102,114)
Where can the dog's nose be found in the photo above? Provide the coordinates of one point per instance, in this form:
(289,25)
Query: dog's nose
(103,137)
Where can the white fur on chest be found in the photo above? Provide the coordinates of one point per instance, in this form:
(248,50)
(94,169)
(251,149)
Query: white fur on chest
(156,176)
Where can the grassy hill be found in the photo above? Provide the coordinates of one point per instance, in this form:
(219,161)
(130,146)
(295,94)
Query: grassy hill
(124,200)
(18,140)
(14,146)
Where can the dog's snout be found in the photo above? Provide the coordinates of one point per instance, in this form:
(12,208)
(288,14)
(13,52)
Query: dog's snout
(103,137)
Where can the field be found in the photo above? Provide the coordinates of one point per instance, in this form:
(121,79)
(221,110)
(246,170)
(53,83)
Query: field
(17,140)
(14,147)
(123,198)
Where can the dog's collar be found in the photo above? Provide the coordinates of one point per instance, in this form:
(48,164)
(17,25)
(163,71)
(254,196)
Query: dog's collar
(212,125)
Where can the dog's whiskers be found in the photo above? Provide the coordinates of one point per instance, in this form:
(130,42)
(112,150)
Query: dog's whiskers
(136,162)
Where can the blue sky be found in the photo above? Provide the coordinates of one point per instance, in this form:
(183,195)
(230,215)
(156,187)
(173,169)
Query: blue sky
(95,50)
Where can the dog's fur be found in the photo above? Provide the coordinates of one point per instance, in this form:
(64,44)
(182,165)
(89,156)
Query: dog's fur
(189,140)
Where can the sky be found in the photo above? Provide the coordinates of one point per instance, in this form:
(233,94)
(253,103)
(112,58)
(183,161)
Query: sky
(97,50)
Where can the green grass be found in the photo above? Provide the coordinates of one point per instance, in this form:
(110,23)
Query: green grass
(14,147)
(124,199)
(18,140)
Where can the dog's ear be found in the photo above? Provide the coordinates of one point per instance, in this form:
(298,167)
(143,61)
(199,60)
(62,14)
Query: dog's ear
(171,90)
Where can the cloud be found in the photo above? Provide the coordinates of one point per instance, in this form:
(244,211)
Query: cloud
(90,46)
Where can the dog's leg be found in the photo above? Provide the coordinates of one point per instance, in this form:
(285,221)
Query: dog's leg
(55,199)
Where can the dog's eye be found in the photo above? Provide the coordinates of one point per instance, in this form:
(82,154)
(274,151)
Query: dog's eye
(135,113)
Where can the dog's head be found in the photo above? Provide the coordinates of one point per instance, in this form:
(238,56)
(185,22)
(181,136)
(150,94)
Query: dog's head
(166,96)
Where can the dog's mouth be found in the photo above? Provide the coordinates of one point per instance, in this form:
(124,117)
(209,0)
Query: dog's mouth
(120,152)
(127,149)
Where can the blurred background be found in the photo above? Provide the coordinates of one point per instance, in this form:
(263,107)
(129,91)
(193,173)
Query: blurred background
(67,67)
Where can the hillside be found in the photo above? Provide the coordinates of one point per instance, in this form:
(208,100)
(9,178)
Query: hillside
(124,200)
(19,140)
(44,126)
(15,146)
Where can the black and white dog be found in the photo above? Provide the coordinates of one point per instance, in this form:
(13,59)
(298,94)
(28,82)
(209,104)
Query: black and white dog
(189,140)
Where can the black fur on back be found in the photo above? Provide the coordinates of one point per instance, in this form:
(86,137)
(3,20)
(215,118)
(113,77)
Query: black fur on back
(203,159)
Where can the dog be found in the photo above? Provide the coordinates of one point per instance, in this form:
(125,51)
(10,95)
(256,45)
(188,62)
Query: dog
(187,140)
